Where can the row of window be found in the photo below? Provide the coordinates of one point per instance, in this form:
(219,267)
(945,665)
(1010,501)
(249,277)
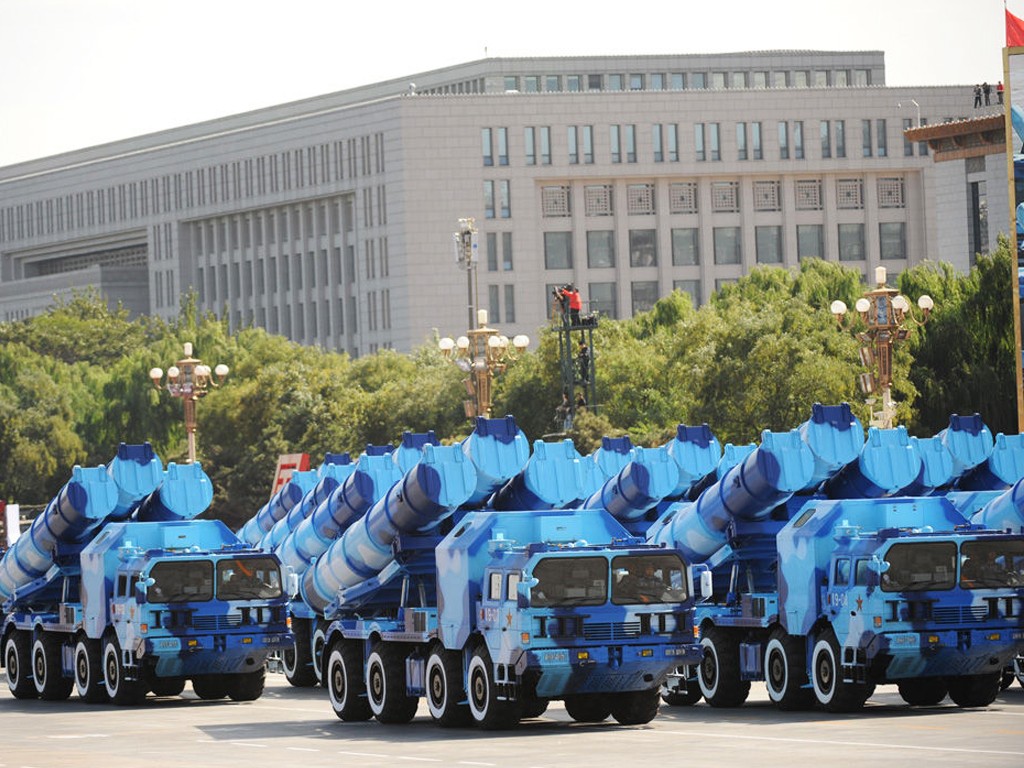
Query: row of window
(727,245)
(791,144)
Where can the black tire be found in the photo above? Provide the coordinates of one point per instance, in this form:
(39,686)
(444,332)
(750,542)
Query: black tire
(297,661)
(686,698)
(973,690)
(785,672)
(534,707)
(344,680)
(489,712)
(167,686)
(51,685)
(635,707)
(247,686)
(719,671)
(89,671)
(446,690)
(588,707)
(210,687)
(832,694)
(123,692)
(922,691)
(1007,678)
(318,644)
(385,684)
(18,663)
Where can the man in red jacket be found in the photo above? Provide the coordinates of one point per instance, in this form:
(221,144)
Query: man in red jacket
(570,293)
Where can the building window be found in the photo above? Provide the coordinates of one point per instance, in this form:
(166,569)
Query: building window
(798,139)
(779,80)
(757,152)
(510,303)
(494,302)
(808,194)
(573,146)
(573,83)
(698,142)
(531,84)
(810,241)
(979,218)
(698,80)
(768,240)
(488,199)
(636,82)
(690,287)
(783,140)
(505,198)
(725,196)
(530,145)
(616,82)
(826,139)
(850,194)
(643,248)
(672,142)
(558,250)
(545,145)
(677,81)
(658,81)
(656,142)
(737,79)
(685,247)
(728,248)
(594,82)
(629,132)
(503,146)
(741,141)
(801,79)
(553,83)
(597,199)
(922,146)
(881,138)
(841,78)
(892,240)
(840,138)
(820,78)
(865,137)
(511,83)
(718,80)
(908,145)
(767,195)
(506,251)
(556,201)
(600,249)
(714,141)
(851,242)
(640,199)
(588,144)
(486,137)
(492,251)
(644,295)
(890,192)
(615,142)
(682,197)
(603,299)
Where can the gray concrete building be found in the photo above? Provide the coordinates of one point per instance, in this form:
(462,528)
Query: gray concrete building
(330,220)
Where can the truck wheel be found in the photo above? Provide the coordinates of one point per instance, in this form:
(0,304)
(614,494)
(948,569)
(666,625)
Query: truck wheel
(298,660)
(922,691)
(344,681)
(687,698)
(973,690)
(89,671)
(167,686)
(318,644)
(46,669)
(445,689)
(385,685)
(635,707)
(488,711)
(785,672)
(210,687)
(832,693)
(247,686)
(534,707)
(17,651)
(121,691)
(719,671)
(588,707)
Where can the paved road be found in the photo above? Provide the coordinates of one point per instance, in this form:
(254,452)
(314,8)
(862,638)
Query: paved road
(292,727)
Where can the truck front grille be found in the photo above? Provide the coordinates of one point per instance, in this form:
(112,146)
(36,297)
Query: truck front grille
(609,631)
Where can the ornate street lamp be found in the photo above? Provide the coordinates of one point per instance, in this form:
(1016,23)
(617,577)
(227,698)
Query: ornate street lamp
(886,313)
(189,379)
(482,353)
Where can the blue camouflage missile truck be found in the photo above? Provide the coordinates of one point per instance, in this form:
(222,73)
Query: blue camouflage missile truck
(824,597)
(115,590)
(490,613)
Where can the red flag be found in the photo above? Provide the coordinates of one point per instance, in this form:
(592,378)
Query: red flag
(1014,31)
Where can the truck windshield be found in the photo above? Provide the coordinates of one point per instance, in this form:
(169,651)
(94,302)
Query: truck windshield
(248,578)
(181,581)
(570,581)
(991,564)
(919,566)
(648,579)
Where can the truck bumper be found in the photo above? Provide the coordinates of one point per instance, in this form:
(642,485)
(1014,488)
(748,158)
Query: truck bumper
(211,654)
(953,652)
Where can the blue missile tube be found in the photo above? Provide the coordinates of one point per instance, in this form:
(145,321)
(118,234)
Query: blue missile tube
(968,440)
(332,473)
(650,476)
(78,509)
(887,462)
(936,467)
(731,456)
(1003,467)
(137,471)
(612,456)
(443,480)
(1005,511)
(371,478)
(696,453)
(498,449)
(835,437)
(185,492)
(280,503)
(553,477)
(767,477)
(410,449)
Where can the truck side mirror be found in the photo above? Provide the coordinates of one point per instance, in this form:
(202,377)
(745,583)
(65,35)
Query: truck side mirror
(142,587)
(293,583)
(878,565)
(707,587)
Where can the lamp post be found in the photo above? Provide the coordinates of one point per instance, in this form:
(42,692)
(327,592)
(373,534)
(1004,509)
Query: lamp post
(189,379)
(467,256)
(482,353)
(885,311)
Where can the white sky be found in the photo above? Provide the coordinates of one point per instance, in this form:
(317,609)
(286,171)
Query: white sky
(76,73)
